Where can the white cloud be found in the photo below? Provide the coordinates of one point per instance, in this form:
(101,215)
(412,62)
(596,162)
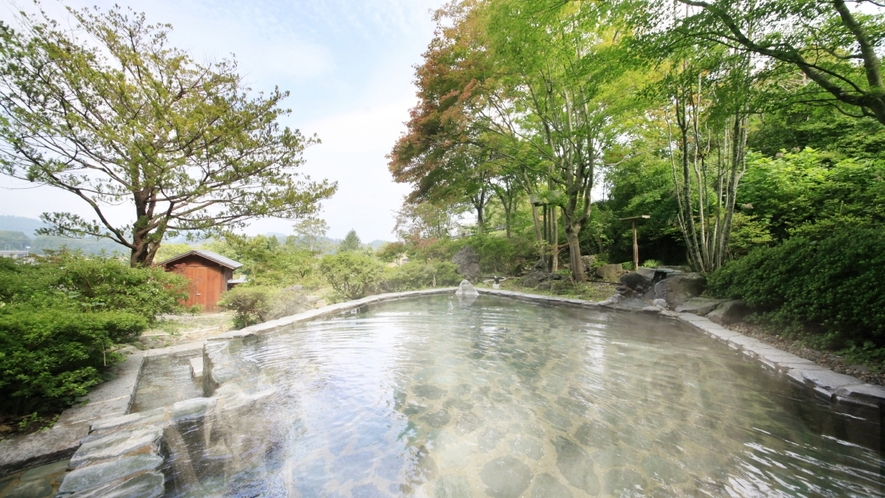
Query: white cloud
(348,64)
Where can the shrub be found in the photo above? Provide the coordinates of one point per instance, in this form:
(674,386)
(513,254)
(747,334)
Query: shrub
(250,305)
(257,304)
(419,275)
(503,256)
(351,274)
(48,357)
(831,287)
(73,281)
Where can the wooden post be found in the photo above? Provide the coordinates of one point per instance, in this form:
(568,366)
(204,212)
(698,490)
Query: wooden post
(635,248)
(635,238)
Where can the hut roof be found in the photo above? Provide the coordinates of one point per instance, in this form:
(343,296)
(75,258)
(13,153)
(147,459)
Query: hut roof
(211,256)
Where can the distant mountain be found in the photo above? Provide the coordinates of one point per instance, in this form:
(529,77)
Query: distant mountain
(376,244)
(20,224)
(38,244)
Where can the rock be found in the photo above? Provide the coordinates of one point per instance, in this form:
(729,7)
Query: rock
(576,465)
(633,283)
(610,273)
(729,312)
(648,273)
(677,289)
(99,474)
(546,486)
(661,303)
(627,304)
(588,261)
(468,263)
(698,305)
(116,445)
(466,290)
(506,477)
(536,277)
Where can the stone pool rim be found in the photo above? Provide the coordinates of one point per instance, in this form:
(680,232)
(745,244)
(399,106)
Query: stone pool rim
(844,392)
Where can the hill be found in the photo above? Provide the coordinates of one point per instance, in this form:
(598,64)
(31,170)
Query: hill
(20,224)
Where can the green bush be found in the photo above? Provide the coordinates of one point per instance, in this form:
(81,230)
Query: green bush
(48,357)
(830,287)
(416,275)
(250,305)
(351,274)
(75,282)
(257,304)
(502,256)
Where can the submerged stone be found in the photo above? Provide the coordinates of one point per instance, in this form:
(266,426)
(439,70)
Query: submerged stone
(437,419)
(115,445)
(96,475)
(506,477)
(546,486)
(451,487)
(576,465)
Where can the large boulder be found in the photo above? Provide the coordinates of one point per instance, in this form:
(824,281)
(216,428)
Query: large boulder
(610,273)
(466,289)
(468,263)
(698,305)
(536,277)
(633,284)
(729,312)
(677,289)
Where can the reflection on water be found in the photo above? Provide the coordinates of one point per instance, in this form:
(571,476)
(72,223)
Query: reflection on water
(502,398)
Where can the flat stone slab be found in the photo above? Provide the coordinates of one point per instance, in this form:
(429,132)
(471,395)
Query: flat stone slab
(699,305)
(31,450)
(113,446)
(102,473)
(866,394)
(197,367)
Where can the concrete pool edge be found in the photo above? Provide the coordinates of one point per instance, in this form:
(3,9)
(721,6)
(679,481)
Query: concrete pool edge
(838,388)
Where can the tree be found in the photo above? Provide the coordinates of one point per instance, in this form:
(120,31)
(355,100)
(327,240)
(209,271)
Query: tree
(124,118)
(350,243)
(561,58)
(311,231)
(831,45)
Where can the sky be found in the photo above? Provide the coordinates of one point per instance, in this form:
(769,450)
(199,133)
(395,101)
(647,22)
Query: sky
(349,65)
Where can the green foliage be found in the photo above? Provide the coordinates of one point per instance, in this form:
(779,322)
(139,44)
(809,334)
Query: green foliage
(831,286)
(182,142)
(748,233)
(61,315)
(501,256)
(391,251)
(13,241)
(266,261)
(250,304)
(795,189)
(418,274)
(90,284)
(46,244)
(256,304)
(50,356)
(352,275)
(351,242)
(170,250)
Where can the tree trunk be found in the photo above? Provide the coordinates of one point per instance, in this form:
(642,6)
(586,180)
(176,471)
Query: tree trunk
(574,249)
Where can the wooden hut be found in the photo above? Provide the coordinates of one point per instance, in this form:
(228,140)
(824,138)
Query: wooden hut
(210,274)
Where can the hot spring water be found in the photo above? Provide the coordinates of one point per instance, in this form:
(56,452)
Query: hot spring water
(432,397)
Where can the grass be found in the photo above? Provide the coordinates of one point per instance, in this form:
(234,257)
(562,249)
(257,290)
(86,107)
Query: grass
(588,291)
